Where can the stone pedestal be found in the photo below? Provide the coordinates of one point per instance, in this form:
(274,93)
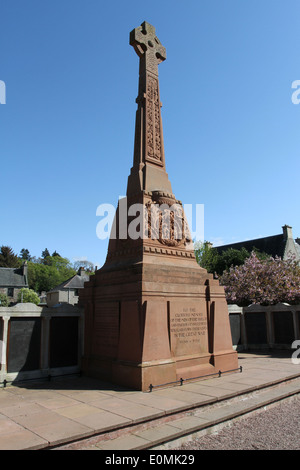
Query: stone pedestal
(156,320)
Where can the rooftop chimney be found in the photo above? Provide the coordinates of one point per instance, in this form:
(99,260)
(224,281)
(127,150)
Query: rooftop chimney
(287,232)
(25,271)
(80,271)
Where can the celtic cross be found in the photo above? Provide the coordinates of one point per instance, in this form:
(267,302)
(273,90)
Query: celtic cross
(148,47)
(148,171)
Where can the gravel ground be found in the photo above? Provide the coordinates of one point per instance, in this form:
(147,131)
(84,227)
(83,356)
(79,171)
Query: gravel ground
(276,428)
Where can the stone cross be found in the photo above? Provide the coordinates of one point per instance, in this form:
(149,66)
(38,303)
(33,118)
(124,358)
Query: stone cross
(148,172)
(148,47)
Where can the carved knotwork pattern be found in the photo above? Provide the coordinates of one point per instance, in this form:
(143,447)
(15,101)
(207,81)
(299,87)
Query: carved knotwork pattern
(167,224)
(154,145)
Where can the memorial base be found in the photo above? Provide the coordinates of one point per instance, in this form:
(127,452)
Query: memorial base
(152,323)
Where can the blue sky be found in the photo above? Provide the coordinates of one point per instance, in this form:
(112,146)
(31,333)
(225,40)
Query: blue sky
(231,131)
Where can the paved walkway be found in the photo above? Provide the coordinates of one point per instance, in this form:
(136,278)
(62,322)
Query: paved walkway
(37,416)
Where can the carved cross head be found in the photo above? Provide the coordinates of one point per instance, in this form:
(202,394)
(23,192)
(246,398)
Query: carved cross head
(148,47)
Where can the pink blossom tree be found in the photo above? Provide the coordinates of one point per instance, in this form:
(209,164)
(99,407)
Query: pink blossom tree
(262,281)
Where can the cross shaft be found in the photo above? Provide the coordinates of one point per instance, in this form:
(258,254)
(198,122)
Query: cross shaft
(148,172)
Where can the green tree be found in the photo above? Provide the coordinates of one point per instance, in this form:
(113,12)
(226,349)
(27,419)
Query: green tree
(28,296)
(206,256)
(44,277)
(8,259)
(229,258)
(58,262)
(45,255)
(4,300)
(56,254)
(87,265)
(25,255)
(217,263)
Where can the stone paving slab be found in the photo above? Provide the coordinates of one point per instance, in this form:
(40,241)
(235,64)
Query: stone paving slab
(34,416)
(8,426)
(124,443)
(62,431)
(133,411)
(21,408)
(157,434)
(217,391)
(101,421)
(163,403)
(183,395)
(22,440)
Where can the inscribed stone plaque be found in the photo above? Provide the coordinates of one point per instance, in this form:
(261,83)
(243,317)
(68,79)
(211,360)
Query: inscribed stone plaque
(235,326)
(283,327)
(106,329)
(188,328)
(63,341)
(256,328)
(24,344)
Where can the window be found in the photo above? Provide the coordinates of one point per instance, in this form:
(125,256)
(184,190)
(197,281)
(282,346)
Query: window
(10,291)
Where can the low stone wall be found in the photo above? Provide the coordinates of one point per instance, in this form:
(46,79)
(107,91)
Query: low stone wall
(39,342)
(259,327)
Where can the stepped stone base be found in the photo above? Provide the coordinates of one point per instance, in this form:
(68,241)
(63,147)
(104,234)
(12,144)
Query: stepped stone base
(153,323)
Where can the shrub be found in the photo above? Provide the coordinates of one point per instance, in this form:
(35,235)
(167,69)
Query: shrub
(4,300)
(28,296)
(262,281)
(208,257)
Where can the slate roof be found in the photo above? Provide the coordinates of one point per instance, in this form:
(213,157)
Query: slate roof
(12,277)
(273,246)
(75,282)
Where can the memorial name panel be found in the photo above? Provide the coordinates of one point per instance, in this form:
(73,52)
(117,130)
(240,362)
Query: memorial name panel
(106,329)
(256,328)
(24,344)
(283,328)
(235,326)
(63,342)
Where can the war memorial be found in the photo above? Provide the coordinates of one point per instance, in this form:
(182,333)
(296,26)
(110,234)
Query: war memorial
(152,314)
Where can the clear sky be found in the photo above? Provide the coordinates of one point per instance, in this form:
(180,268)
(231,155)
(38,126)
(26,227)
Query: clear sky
(231,130)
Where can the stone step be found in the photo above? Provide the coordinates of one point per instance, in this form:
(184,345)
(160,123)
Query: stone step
(200,420)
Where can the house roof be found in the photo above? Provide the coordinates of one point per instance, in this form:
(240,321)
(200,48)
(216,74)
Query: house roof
(12,277)
(273,246)
(75,282)
(282,245)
